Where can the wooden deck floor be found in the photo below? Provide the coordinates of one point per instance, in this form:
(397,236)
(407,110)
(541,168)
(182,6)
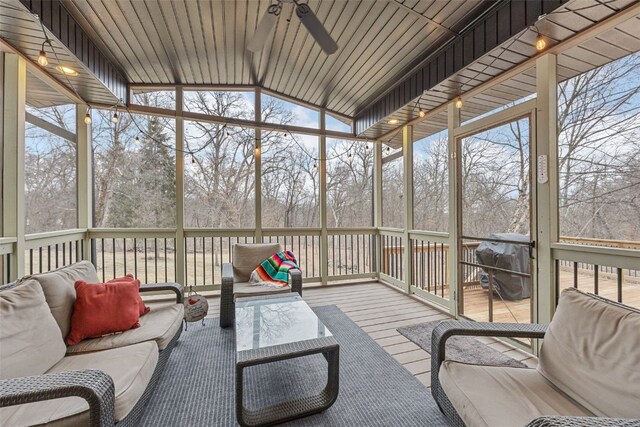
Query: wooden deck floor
(379,310)
(476,300)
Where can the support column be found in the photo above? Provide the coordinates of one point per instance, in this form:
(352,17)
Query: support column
(545,226)
(454,278)
(84,171)
(181,248)
(324,236)
(407,159)
(258,167)
(377,202)
(14,81)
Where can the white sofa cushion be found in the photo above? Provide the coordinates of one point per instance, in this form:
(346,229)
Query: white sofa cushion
(245,289)
(496,396)
(246,257)
(591,352)
(59,290)
(160,325)
(30,340)
(131,369)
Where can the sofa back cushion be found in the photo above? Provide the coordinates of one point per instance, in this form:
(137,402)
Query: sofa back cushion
(30,340)
(59,291)
(591,352)
(246,258)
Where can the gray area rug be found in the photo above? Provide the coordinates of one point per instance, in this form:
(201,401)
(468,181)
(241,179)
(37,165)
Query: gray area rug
(462,349)
(197,387)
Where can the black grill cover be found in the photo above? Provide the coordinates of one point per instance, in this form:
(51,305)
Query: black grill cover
(508,256)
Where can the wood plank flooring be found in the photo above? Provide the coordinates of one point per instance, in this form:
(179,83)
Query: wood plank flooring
(379,309)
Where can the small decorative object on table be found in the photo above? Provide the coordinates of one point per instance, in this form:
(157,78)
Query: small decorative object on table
(195,307)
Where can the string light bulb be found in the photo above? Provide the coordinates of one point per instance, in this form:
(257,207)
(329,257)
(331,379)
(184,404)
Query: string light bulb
(349,155)
(285,134)
(366,147)
(115,117)
(422,113)
(87,117)
(541,43)
(228,134)
(459,102)
(315,167)
(193,159)
(137,140)
(388,150)
(42,58)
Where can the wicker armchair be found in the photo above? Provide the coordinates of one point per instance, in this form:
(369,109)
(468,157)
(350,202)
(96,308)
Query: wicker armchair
(571,340)
(246,257)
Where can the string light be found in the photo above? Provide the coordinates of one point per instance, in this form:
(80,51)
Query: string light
(115,117)
(422,113)
(193,159)
(459,102)
(349,155)
(315,167)
(366,147)
(388,150)
(228,134)
(541,43)
(137,140)
(87,117)
(42,58)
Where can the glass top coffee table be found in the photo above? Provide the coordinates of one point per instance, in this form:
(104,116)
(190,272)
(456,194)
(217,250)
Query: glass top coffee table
(279,327)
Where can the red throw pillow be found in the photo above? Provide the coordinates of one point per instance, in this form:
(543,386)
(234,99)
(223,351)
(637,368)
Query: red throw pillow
(129,278)
(103,308)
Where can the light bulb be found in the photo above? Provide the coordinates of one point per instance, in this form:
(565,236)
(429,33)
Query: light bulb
(193,159)
(315,167)
(349,155)
(87,118)
(137,140)
(114,118)
(422,113)
(285,134)
(366,147)
(229,134)
(388,150)
(42,58)
(541,43)
(458,102)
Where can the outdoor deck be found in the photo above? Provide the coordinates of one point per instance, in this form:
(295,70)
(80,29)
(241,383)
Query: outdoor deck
(379,309)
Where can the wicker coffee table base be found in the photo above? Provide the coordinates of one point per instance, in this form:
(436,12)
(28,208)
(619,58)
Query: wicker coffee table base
(293,409)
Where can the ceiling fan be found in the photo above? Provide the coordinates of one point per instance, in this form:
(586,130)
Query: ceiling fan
(307,17)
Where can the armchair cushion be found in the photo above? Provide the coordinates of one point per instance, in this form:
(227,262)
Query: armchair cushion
(591,353)
(160,325)
(245,289)
(246,257)
(131,369)
(59,292)
(493,396)
(30,339)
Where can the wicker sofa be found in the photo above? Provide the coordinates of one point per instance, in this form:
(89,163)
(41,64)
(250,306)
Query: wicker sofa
(235,277)
(588,372)
(100,381)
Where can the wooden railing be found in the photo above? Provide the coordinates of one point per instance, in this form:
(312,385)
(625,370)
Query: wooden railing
(7,248)
(52,250)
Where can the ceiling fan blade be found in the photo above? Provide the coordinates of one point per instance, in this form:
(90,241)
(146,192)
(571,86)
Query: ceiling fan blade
(315,28)
(263,31)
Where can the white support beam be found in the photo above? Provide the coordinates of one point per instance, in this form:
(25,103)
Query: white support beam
(377,203)
(84,176)
(181,249)
(454,278)
(258,167)
(14,82)
(407,159)
(324,237)
(546,194)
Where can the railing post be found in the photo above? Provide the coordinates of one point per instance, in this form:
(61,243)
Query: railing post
(377,203)
(407,158)
(84,170)
(545,194)
(181,249)
(454,277)
(324,237)
(14,78)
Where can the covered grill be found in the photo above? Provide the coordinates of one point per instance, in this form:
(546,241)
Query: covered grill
(507,256)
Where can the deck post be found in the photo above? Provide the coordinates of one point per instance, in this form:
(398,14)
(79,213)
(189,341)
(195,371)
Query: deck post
(377,205)
(545,225)
(258,166)
(181,247)
(324,237)
(454,273)
(407,159)
(14,80)
(84,170)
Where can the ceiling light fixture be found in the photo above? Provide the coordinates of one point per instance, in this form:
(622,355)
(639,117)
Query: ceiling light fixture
(66,70)
(393,121)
